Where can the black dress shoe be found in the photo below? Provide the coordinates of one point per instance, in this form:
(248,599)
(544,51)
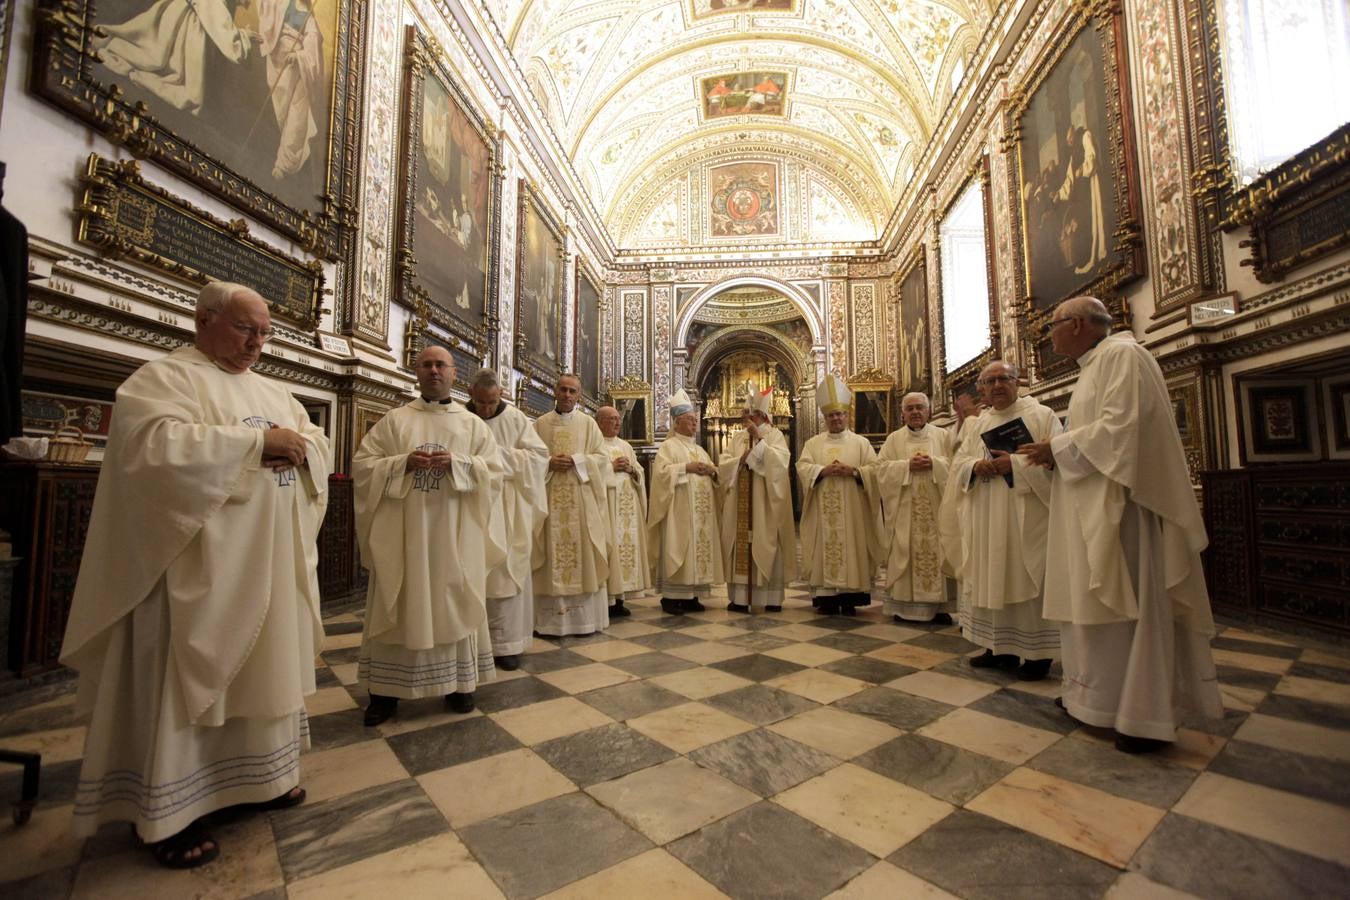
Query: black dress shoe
(1128,743)
(1033,669)
(460,703)
(738,607)
(991,660)
(777,608)
(693,605)
(672,607)
(380,709)
(827,606)
(508,663)
(847,609)
(942,619)
(618,610)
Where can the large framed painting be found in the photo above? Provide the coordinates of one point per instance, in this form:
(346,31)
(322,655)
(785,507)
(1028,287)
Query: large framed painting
(1078,215)
(744,199)
(913,336)
(539,288)
(448,200)
(743,94)
(587,344)
(967,288)
(257,103)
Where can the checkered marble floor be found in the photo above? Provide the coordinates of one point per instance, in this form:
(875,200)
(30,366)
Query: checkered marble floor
(781,755)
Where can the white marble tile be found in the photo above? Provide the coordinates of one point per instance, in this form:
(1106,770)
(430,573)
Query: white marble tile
(425,869)
(1289,820)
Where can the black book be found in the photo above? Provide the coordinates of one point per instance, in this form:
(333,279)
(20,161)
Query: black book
(1007,437)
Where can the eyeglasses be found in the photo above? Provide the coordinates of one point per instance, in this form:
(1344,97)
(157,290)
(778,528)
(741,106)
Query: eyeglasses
(1049,326)
(261,334)
(999,379)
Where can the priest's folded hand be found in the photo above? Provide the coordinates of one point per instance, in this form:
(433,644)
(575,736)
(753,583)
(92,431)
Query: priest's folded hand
(561,463)
(1038,454)
(418,459)
(283,443)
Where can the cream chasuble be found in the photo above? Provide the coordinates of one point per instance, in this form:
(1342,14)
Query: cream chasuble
(839,527)
(994,538)
(758,533)
(426,537)
(682,522)
(916,587)
(571,556)
(629,565)
(195,618)
(523,506)
(1126,577)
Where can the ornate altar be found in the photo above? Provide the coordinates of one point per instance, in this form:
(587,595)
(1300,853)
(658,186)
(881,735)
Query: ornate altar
(722,408)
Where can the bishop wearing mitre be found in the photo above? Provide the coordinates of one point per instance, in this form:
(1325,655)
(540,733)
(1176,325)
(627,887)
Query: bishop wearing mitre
(839,531)
(626,490)
(571,556)
(682,521)
(759,540)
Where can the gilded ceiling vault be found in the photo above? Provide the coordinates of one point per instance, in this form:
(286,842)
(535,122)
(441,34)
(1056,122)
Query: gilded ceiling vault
(697,123)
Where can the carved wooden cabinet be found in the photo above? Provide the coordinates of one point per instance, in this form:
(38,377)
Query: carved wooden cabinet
(45,507)
(1279,544)
(340,572)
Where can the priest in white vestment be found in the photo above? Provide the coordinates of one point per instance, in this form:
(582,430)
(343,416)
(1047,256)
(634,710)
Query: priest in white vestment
(1125,580)
(571,556)
(428,478)
(909,478)
(195,619)
(630,573)
(759,538)
(523,506)
(683,531)
(841,543)
(994,534)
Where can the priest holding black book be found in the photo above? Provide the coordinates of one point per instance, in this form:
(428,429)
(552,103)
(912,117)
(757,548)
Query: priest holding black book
(994,521)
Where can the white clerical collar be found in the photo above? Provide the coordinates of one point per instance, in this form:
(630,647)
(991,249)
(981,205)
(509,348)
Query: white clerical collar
(836,437)
(565,416)
(916,430)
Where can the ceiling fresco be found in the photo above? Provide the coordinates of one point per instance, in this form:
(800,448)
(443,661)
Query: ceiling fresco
(835,97)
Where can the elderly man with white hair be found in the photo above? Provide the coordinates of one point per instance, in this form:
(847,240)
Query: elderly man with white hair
(195,619)
(626,488)
(995,516)
(910,475)
(1125,580)
(682,521)
(759,540)
(523,506)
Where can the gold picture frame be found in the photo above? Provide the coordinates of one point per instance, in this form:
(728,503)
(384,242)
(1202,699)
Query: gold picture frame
(540,263)
(632,397)
(869,411)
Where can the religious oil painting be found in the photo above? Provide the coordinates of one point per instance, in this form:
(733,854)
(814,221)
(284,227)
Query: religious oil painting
(587,364)
(1336,402)
(914,375)
(248,99)
(539,289)
(1279,420)
(448,197)
(1076,173)
(703,9)
(743,93)
(744,200)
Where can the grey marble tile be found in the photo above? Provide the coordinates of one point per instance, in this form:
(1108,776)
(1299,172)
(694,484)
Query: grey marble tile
(758,642)
(755,622)
(552,661)
(1029,709)
(1143,777)
(869,669)
(1260,648)
(1287,707)
(1232,720)
(540,848)
(1248,678)
(764,762)
(56,783)
(580,640)
(316,837)
(40,718)
(331,628)
(839,623)
(647,665)
(980,858)
(54,884)
(851,643)
(961,668)
(631,699)
(450,744)
(602,754)
(1298,773)
(895,708)
(276,893)
(1209,861)
(499,695)
(338,730)
(688,621)
(942,770)
(944,643)
(757,667)
(342,656)
(324,678)
(751,853)
(664,640)
(1325,673)
(759,704)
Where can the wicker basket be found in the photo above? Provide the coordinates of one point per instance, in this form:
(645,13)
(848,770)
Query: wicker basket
(65,448)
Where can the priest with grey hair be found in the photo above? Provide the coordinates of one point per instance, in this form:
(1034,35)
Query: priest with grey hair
(626,490)
(1125,581)
(910,476)
(524,504)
